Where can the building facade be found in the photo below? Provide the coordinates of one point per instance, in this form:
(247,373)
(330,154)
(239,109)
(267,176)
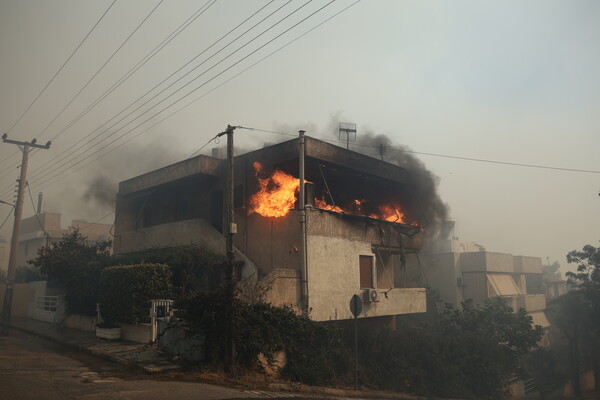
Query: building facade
(45,228)
(461,270)
(351,238)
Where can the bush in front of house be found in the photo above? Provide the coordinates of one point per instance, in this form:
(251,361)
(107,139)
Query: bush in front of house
(126,291)
(314,353)
(467,353)
(193,266)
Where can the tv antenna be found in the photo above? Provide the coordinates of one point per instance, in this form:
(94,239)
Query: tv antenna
(348,129)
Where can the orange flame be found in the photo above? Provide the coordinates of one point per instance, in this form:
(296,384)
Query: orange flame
(276,195)
(387,212)
(391,213)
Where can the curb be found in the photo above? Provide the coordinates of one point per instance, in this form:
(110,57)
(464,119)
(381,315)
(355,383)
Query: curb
(85,349)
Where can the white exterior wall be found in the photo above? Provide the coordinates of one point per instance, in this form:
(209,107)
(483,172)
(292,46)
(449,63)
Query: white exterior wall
(528,265)
(333,278)
(487,261)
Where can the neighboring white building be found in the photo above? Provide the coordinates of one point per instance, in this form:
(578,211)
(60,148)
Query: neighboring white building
(461,270)
(44,228)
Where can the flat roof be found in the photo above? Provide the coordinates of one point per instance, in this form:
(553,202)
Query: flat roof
(278,153)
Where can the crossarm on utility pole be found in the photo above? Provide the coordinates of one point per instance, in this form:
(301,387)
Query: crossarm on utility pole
(14,246)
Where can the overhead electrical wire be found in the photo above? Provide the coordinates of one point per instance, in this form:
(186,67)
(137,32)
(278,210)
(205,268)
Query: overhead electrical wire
(98,71)
(98,220)
(56,74)
(62,66)
(102,67)
(401,149)
(189,103)
(5,219)
(139,64)
(57,159)
(202,85)
(131,71)
(201,148)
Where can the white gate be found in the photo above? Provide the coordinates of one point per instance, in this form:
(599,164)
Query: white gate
(160,310)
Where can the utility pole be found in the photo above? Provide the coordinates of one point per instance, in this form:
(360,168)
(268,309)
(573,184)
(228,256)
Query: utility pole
(302,208)
(25,148)
(230,254)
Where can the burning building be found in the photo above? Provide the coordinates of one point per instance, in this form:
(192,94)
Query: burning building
(351,235)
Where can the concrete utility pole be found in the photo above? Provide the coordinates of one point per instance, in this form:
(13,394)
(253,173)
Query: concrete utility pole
(230,254)
(25,148)
(302,208)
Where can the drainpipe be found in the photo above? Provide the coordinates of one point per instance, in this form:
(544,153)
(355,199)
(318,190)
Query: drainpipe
(302,207)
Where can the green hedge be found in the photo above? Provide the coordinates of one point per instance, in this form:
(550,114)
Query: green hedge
(126,291)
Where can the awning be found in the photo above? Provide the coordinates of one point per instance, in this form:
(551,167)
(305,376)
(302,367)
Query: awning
(539,318)
(503,285)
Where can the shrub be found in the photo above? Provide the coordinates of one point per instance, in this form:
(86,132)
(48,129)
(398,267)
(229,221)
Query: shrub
(192,266)
(126,291)
(312,349)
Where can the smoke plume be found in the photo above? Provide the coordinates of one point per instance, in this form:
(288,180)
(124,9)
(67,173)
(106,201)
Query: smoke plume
(428,205)
(100,182)
(101,190)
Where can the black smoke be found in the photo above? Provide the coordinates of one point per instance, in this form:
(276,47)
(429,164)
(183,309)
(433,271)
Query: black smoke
(101,190)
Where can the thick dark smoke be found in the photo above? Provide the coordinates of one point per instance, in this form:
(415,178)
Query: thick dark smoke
(431,210)
(101,190)
(101,181)
(428,207)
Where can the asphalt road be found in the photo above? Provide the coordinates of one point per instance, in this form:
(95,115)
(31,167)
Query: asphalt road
(33,368)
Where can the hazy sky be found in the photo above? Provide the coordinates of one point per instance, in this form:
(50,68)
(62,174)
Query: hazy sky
(510,81)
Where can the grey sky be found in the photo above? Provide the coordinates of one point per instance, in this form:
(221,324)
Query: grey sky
(512,81)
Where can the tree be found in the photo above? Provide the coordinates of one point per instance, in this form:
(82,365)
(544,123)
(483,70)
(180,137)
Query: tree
(568,313)
(77,265)
(587,292)
(551,270)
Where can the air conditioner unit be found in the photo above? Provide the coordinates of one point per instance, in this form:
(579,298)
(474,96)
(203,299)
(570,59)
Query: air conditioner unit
(370,296)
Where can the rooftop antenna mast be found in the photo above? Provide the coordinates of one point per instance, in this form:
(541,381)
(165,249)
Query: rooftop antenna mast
(349,130)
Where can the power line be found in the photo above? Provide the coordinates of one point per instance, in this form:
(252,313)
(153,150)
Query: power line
(98,220)
(55,75)
(102,67)
(139,64)
(198,87)
(6,219)
(200,149)
(57,160)
(99,70)
(400,149)
(134,69)
(503,162)
(61,68)
(276,51)
(189,103)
